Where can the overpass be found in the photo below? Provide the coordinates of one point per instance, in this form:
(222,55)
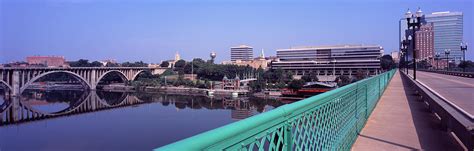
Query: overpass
(17,79)
(389,111)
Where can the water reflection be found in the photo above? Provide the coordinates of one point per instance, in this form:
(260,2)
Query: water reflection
(40,105)
(99,120)
(55,101)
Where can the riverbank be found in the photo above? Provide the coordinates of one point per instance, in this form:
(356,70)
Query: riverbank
(179,90)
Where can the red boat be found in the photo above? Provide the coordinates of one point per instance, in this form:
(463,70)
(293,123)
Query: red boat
(309,89)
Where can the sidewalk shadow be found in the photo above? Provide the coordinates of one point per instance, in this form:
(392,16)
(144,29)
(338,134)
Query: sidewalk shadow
(427,125)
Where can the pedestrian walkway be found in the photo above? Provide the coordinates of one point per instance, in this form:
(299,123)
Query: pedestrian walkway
(401,122)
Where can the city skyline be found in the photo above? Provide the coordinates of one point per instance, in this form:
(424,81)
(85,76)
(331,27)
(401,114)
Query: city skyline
(154,31)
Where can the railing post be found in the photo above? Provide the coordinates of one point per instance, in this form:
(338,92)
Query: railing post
(366,100)
(288,142)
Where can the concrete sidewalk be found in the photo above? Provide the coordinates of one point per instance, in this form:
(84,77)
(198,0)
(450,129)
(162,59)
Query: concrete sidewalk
(401,122)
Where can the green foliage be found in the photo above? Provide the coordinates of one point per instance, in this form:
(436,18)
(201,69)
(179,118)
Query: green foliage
(386,62)
(180,64)
(112,65)
(135,64)
(84,63)
(360,74)
(278,76)
(311,77)
(296,84)
(168,72)
(165,64)
(343,80)
(469,65)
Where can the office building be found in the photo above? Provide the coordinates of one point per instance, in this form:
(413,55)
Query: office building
(395,56)
(330,60)
(258,62)
(242,52)
(49,61)
(425,43)
(448,32)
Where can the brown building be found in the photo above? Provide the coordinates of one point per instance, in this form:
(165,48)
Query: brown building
(49,61)
(425,43)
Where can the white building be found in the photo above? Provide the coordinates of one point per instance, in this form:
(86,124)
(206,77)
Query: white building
(330,60)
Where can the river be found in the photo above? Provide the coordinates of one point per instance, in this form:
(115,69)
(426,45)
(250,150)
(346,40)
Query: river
(99,120)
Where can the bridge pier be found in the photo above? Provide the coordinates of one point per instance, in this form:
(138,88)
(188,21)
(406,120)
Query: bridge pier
(93,80)
(16,83)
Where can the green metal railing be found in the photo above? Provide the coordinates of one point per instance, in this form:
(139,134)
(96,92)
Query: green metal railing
(329,121)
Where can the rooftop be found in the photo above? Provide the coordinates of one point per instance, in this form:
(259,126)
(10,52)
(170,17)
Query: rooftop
(329,47)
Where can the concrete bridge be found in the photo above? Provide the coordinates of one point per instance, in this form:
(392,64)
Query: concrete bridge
(17,79)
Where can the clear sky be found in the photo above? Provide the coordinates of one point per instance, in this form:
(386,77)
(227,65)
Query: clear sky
(133,30)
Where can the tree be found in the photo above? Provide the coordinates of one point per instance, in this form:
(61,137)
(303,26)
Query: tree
(311,77)
(180,64)
(165,64)
(386,62)
(79,63)
(296,84)
(360,74)
(96,64)
(110,64)
(343,80)
(466,64)
(135,64)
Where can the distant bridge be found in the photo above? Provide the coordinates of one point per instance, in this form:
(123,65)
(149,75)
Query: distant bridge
(17,79)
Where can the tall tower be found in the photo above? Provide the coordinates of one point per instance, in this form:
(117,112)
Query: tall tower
(177,57)
(213,56)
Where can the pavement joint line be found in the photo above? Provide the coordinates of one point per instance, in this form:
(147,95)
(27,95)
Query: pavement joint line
(442,98)
(451,80)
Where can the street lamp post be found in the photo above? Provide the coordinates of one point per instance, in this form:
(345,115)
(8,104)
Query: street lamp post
(446,52)
(414,21)
(464,49)
(405,44)
(402,56)
(437,60)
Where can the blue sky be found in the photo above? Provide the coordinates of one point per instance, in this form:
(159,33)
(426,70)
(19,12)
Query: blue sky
(133,30)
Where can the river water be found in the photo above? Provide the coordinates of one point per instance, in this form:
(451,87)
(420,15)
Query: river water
(98,120)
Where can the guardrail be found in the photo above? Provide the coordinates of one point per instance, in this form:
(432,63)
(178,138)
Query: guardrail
(329,121)
(453,118)
(454,73)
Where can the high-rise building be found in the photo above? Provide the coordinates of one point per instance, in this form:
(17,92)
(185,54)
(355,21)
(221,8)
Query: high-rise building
(448,32)
(330,60)
(425,43)
(242,52)
(395,56)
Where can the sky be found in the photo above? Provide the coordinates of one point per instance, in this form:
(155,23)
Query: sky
(154,30)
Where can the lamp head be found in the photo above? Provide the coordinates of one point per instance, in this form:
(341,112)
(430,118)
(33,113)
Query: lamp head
(408,14)
(419,13)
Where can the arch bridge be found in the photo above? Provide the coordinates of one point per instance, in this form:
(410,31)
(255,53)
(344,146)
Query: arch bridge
(17,79)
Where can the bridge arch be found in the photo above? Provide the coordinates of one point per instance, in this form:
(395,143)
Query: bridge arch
(121,74)
(6,84)
(77,76)
(136,74)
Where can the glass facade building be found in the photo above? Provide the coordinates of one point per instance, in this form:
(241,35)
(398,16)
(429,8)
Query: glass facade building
(448,32)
